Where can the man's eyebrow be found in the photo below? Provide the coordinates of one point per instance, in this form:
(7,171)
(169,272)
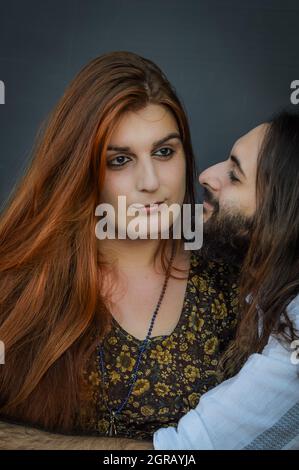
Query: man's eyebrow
(172,135)
(236,161)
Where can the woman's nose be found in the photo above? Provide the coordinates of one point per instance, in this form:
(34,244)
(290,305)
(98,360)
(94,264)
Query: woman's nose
(147,178)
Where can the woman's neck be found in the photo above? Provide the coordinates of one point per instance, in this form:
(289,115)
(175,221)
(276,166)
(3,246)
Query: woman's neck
(130,253)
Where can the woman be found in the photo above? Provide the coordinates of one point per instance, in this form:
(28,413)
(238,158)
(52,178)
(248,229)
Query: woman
(75,310)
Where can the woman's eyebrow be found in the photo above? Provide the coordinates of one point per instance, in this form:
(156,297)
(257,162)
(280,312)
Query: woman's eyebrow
(116,148)
(172,135)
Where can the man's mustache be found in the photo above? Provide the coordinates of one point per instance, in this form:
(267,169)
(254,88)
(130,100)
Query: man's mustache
(208,197)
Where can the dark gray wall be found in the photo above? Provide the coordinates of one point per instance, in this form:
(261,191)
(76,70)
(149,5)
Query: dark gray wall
(231,61)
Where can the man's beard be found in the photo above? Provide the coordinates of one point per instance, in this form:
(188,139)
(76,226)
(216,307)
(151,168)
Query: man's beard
(226,235)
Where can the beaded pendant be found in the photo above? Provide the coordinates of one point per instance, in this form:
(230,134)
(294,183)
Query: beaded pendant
(112,431)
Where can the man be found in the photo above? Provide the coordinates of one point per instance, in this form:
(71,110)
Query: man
(257,408)
(254,408)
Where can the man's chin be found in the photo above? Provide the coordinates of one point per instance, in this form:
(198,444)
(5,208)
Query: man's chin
(226,238)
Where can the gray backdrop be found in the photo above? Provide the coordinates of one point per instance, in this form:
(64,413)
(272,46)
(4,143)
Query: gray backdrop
(231,62)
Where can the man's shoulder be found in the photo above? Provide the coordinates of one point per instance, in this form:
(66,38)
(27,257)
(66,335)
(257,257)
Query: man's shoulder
(293,311)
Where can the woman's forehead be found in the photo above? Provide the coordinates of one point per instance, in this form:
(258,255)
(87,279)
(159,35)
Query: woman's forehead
(147,125)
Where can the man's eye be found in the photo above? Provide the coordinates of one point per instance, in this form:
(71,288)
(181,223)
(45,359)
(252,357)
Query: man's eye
(118,161)
(233,177)
(165,152)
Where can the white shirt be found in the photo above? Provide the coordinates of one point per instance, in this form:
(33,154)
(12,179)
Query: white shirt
(256,409)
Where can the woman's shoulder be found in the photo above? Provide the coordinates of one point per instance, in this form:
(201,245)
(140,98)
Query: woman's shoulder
(216,283)
(219,273)
(215,296)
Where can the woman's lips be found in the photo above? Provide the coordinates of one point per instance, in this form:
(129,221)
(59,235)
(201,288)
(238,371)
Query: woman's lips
(152,208)
(149,208)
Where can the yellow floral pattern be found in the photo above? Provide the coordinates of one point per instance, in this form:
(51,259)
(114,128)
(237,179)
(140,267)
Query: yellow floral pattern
(175,370)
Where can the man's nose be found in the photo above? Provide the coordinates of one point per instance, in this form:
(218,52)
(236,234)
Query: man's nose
(211,177)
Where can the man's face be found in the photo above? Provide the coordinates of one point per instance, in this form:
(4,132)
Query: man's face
(230,198)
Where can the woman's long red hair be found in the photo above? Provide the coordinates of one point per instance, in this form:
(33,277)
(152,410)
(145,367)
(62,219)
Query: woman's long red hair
(50,272)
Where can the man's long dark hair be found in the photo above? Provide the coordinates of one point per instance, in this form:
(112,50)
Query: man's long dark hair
(270,272)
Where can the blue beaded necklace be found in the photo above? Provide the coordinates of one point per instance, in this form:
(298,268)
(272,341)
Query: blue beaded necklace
(112,430)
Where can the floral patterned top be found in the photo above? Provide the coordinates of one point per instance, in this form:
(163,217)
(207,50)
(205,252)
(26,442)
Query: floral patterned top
(175,370)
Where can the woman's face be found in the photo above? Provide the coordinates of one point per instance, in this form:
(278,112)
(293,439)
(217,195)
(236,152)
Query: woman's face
(145,162)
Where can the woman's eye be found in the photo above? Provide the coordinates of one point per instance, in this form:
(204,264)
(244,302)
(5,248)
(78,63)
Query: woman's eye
(233,177)
(165,152)
(118,161)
